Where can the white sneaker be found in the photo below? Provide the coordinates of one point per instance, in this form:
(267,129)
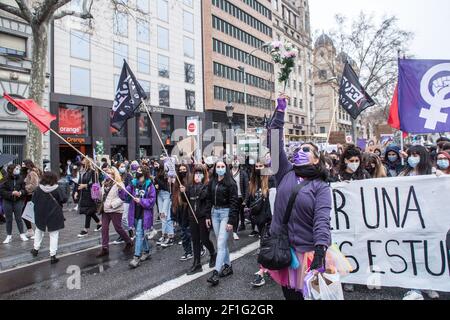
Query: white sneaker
(152,234)
(413,295)
(23,237)
(235,236)
(431,294)
(7,240)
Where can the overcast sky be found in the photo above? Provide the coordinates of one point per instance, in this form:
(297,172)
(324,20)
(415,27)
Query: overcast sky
(429,20)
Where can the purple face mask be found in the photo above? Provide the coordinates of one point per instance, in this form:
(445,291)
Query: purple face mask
(134,167)
(300,158)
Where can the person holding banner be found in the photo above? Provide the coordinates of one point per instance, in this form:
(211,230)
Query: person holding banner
(351,165)
(419,162)
(443,163)
(48,200)
(374,166)
(309,225)
(13,193)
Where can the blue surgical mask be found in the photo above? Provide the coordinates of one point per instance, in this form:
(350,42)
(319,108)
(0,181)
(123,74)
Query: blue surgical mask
(221,171)
(413,162)
(16,172)
(392,158)
(122,170)
(443,164)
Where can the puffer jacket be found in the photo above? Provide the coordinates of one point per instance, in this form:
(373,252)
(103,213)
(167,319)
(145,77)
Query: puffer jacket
(114,199)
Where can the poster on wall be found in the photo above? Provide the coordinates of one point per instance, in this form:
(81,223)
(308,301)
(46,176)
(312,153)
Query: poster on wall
(71,120)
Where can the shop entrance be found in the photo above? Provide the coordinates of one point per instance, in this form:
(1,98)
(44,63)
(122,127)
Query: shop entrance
(67,153)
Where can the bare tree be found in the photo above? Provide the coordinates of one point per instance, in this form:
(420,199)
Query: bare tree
(373,49)
(39,14)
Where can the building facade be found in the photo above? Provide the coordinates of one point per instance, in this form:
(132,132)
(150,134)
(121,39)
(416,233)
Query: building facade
(329,65)
(238,67)
(161,41)
(291,23)
(15,69)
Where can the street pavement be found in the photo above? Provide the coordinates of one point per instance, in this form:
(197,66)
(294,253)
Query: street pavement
(163,277)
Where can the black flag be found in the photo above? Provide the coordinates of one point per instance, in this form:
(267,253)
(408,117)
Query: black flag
(128,98)
(352,95)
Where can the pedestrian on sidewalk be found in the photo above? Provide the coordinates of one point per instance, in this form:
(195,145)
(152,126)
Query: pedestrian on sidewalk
(241,179)
(13,193)
(2,214)
(112,210)
(48,200)
(86,205)
(31,176)
(197,193)
(127,179)
(223,208)
(141,212)
(164,199)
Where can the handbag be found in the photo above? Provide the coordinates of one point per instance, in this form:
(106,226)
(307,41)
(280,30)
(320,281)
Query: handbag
(96,189)
(28,212)
(275,252)
(257,204)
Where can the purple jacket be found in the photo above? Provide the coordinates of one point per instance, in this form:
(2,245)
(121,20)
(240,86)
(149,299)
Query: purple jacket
(147,202)
(309,224)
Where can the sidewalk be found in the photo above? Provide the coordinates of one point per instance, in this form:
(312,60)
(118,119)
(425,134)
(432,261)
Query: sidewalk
(18,252)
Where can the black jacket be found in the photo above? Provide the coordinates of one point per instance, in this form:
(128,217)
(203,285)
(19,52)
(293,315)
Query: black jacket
(244,180)
(163,184)
(358,175)
(86,204)
(223,196)
(48,213)
(11,184)
(197,195)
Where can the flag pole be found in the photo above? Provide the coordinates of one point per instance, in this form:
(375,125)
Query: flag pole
(167,155)
(401,146)
(92,162)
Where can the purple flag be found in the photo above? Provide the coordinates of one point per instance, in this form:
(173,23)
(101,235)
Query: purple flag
(362,143)
(424,95)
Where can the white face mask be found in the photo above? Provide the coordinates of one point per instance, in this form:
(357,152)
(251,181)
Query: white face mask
(353,166)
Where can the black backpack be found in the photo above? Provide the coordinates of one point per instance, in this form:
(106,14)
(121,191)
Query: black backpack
(275,252)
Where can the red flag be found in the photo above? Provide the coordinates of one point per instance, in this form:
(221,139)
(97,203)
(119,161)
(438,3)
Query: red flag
(394,118)
(38,115)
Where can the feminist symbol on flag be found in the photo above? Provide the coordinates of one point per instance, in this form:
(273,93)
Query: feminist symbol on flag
(435,93)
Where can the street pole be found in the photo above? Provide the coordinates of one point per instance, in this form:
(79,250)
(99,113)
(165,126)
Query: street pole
(354,129)
(245,99)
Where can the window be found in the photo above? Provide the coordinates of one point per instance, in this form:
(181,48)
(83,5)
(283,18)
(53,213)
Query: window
(297,120)
(143,31)
(120,53)
(188,21)
(188,3)
(116,81)
(164,95)
(189,73)
(322,130)
(163,10)
(143,60)
(143,5)
(163,38)
(188,45)
(146,86)
(80,45)
(323,74)
(12,45)
(144,125)
(80,81)
(121,24)
(291,118)
(190,100)
(291,131)
(163,66)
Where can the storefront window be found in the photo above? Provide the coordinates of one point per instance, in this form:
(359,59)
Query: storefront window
(119,134)
(73,120)
(144,125)
(166,126)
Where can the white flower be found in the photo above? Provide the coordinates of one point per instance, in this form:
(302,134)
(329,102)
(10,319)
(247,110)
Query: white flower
(277,45)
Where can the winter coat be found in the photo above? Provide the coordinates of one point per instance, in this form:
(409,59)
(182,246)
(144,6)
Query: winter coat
(393,169)
(243,183)
(11,184)
(223,196)
(86,204)
(197,194)
(309,225)
(48,211)
(31,181)
(113,200)
(148,201)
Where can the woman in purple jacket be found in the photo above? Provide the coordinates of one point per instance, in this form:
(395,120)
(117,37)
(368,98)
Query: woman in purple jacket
(140,213)
(309,225)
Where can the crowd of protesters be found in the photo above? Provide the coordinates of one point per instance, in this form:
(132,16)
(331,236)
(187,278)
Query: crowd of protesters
(191,199)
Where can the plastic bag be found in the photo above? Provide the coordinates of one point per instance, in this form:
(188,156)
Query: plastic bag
(337,262)
(295,264)
(326,286)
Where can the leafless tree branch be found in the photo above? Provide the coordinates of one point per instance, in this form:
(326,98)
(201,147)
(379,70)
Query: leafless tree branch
(15,11)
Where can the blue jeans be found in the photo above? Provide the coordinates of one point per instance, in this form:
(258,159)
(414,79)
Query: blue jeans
(219,219)
(141,244)
(164,206)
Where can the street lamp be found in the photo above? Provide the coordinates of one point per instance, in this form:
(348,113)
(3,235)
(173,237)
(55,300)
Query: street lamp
(230,109)
(242,69)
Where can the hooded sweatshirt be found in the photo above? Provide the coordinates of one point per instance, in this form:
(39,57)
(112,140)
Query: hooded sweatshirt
(393,168)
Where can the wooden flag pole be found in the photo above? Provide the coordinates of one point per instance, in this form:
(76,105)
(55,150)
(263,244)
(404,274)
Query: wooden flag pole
(167,155)
(92,162)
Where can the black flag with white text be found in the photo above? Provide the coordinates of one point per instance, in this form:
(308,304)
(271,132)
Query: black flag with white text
(128,98)
(352,95)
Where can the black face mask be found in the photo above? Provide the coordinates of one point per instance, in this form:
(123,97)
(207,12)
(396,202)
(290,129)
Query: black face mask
(139,175)
(182,175)
(258,172)
(310,172)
